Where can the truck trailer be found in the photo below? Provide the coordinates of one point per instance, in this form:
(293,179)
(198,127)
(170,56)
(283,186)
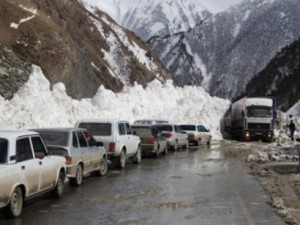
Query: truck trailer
(252,118)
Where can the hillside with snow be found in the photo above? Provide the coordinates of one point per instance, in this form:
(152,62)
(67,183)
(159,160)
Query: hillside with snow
(219,47)
(155,17)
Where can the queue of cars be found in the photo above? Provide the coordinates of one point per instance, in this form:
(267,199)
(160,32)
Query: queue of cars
(38,160)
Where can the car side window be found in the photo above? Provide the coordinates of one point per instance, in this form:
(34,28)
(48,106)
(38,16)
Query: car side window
(3,150)
(23,150)
(121,129)
(74,140)
(128,129)
(199,128)
(176,128)
(82,140)
(38,147)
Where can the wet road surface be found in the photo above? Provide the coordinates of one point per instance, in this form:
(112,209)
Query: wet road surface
(196,186)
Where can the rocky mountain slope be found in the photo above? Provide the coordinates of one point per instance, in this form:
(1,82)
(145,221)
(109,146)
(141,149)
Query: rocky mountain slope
(281,77)
(72,46)
(154,17)
(224,52)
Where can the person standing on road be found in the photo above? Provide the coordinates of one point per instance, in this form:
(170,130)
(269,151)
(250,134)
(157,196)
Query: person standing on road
(292,129)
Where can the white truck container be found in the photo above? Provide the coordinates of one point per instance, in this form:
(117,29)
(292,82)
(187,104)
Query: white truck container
(252,118)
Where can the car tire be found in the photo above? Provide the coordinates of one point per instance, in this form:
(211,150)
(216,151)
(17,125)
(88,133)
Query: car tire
(59,188)
(175,146)
(208,142)
(199,142)
(138,155)
(14,208)
(103,167)
(79,176)
(122,160)
(186,145)
(166,150)
(157,153)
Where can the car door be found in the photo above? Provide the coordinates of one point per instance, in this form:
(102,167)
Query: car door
(28,165)
(95,154)
(180,136)
(122,138)
(203,134)
(132,139)
(48,175)
(85,151)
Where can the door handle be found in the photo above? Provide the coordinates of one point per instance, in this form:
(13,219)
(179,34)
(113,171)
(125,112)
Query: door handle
(23,167)
(40,162)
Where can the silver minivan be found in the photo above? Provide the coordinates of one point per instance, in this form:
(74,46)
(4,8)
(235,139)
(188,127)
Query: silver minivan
(82,152)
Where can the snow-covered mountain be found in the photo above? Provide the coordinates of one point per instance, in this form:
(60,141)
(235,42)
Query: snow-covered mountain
(219,50)
(224,52)
(156,17)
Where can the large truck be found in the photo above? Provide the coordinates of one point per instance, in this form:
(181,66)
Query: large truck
(252,118)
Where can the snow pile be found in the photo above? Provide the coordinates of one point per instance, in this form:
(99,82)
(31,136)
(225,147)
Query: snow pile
(37,105)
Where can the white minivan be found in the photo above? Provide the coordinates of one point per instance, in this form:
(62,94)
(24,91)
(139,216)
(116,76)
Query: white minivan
(117,137)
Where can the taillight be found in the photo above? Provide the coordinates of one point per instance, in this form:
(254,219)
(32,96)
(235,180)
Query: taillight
(112,146)
(191,137)
(151,139)
(68,160)
(169,134)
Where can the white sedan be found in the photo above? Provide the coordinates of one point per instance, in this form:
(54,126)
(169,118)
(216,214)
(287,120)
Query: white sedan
(26,170)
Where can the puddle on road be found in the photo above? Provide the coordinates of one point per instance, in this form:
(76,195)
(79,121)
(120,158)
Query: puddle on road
(215,155)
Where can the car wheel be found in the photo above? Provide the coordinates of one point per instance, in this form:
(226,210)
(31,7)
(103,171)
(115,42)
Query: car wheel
(59,188)
(157,153)
(199,142)
(208,142)
(138,156)
(166,150)
(186,145)
(175,147)
(122,160)
(103,167)
(14,208)
(79,175)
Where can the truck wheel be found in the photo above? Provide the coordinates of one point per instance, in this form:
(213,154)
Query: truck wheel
(14,208)
(59,188)
(122,160)
(79,175)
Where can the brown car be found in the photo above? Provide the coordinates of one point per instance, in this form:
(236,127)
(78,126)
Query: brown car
(152,140)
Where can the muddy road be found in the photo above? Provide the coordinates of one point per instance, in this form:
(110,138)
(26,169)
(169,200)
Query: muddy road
(195,186)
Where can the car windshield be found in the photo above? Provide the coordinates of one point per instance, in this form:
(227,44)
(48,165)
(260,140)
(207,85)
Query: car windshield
(3,151)
(188,127)
(97,129)
(59,138)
